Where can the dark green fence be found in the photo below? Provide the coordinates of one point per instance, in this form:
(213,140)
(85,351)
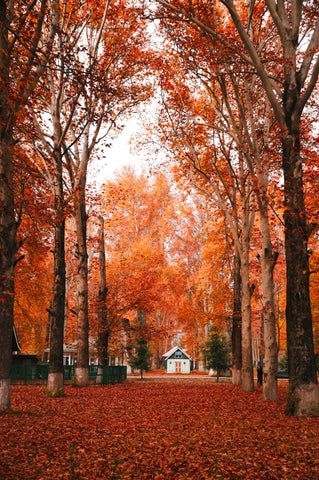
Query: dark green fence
(113,374)
(38,374)
(25,374)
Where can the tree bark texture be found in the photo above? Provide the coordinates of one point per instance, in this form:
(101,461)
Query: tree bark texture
(55,380)
(8,226)
(236,330)
(8,250)
(82,368)
(301,357)
(247,221)
(268,260)
(246,340)
(103,331)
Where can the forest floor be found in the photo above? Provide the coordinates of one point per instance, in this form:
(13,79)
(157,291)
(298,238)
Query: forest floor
(153,429)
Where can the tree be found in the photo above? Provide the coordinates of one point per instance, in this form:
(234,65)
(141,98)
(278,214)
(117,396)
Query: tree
(26,38)
(210,159)
(32,290)
(230,96)
(101,59)
(236,323)
(104,329)
(159,250)
(216,352)
(139,226)
(203,275)
(115,60)
(295,27)
(141,358)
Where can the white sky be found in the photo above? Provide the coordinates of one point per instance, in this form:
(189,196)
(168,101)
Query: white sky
(117,156)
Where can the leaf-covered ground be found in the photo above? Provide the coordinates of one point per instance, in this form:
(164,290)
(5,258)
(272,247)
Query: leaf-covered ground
(161,430)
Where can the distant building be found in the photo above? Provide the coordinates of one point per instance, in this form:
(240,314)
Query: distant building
(177,360)
(70,354)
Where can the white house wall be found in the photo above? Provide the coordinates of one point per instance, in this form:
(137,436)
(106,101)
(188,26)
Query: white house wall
(184,365)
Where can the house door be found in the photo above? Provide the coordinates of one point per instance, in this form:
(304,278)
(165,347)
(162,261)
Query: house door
(178,367)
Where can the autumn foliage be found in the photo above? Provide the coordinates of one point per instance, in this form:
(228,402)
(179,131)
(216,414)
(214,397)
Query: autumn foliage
(155,430)
(226,123)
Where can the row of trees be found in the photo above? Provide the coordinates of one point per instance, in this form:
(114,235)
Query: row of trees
(157,256)
(69,72)
(163,251)
(237,103)
(230,119)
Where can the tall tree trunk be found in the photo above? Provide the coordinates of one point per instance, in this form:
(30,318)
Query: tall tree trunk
(236,331)
(9,110)
(288,98)
(247,222)
(8,227)
(47,335)
(8,250)
(246,341)
(301,357)
(103,332)
(268,260)
(55,378)
(82,367)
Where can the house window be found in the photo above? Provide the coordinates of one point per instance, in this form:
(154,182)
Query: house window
(178,354)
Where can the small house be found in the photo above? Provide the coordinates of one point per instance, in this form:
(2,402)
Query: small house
(177,360)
